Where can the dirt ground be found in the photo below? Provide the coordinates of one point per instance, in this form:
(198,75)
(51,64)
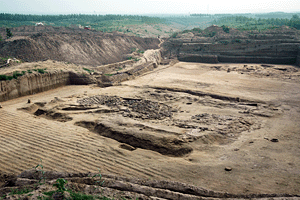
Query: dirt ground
(224,127)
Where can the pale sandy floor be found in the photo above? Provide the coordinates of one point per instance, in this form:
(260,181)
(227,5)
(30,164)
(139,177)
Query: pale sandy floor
(258,165)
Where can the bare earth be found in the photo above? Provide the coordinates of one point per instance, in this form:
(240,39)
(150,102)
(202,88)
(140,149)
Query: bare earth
(184,123)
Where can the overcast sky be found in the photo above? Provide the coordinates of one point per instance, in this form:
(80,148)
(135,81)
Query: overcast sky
(146,6)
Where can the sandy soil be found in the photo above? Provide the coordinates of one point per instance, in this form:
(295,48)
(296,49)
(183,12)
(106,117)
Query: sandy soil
(233,130)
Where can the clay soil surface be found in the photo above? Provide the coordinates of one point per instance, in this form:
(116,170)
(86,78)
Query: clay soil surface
(224,127)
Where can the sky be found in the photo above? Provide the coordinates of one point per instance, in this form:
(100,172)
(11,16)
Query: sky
(146,6)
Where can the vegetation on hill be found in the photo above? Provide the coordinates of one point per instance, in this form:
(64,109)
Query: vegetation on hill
(249,23)
(97,22)
(154,26)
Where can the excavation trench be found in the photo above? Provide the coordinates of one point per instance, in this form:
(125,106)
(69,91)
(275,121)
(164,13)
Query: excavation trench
(171,146)
(35,82)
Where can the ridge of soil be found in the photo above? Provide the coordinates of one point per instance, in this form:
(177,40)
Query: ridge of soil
(84,47)
(116,187)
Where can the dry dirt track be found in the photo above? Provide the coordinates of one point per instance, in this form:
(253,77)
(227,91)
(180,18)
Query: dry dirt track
(258,165)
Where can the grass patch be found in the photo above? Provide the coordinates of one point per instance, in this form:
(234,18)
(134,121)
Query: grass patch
(20,191)
(81,196)
(140,51)
(16,74)
(88,70)
(49,193)
(225,42)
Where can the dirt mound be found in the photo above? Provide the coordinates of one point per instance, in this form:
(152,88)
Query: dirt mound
(72,45)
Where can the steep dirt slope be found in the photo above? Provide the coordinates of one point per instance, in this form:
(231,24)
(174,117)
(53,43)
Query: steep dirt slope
(73,45)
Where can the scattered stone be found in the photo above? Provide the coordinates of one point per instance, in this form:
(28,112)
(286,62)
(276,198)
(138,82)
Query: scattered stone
(251,142)
(236,149)
(127,147)
(140,108)
(0,106)
(29,101)
(228,70)
(228,169)
(274,140)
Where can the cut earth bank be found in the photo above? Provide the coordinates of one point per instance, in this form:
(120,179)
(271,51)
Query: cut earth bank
(186,122)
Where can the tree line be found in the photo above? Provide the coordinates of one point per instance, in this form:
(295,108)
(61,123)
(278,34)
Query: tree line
(242,22)
(76,18)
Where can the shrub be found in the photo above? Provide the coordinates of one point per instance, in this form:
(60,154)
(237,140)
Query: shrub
(225,29)
(186,31)
(16,74)
(210,34)
(225,42)
(8,33)
(41,71)
(199,30)
(140,51)
(236,41)
(3,77)
(174,35)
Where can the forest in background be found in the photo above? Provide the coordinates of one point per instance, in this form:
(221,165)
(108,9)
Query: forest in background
(155,25)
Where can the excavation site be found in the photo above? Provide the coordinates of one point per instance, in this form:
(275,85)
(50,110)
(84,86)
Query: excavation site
(185,117)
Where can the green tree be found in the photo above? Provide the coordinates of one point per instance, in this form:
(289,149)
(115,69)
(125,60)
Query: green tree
(295,22)
(225,29)
(8,33)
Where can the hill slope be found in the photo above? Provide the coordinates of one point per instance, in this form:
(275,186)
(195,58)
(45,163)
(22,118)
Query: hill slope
(72,45)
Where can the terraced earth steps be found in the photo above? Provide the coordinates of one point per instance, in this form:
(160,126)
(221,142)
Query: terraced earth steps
(24,141)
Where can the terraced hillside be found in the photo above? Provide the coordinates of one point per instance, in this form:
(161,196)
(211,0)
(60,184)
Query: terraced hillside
(213,45)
